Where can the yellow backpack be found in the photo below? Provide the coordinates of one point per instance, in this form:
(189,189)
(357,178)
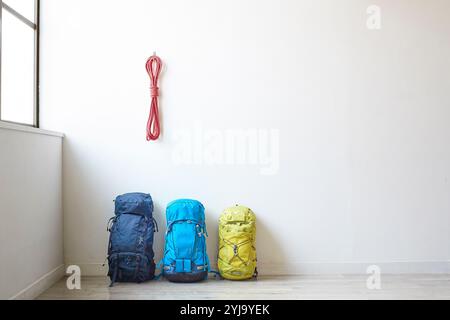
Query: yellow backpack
(237,237)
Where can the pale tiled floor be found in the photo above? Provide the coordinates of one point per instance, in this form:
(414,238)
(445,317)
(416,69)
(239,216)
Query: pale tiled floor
(271,288)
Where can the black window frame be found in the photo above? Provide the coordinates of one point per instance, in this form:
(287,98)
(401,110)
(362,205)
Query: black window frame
(36,27)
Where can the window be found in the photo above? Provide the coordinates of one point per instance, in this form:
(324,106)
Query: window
(19,61)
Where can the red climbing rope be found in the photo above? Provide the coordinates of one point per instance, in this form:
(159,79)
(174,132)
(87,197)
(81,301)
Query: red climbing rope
(153,66)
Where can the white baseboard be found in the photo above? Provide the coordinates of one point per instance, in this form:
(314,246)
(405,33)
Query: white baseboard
(91,269)
(318,268)
(41,285)
(333,268)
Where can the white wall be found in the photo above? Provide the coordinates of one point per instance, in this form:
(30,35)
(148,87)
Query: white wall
(31,238)
(362,117)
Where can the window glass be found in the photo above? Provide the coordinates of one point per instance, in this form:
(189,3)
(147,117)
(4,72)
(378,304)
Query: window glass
(24,7)
(17,94)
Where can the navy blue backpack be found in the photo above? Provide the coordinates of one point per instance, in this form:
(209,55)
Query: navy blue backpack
(130,251)
(185,258)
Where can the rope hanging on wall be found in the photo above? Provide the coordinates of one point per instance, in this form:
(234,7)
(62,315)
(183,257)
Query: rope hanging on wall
(154,66)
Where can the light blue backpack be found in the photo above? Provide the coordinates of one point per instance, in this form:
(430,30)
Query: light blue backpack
(185,257)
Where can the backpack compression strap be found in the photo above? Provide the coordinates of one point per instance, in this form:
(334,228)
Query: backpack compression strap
(236,253)
(116,270)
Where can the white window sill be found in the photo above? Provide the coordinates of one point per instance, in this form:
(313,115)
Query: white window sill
(24,128)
